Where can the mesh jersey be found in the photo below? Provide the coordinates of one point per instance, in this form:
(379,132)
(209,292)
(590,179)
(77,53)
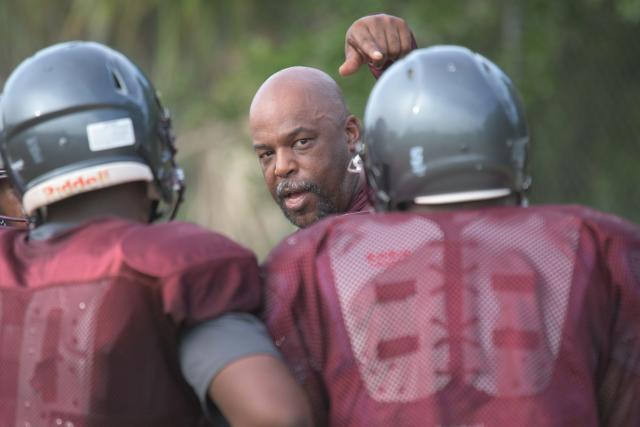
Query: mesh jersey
(89,320)
(507,316)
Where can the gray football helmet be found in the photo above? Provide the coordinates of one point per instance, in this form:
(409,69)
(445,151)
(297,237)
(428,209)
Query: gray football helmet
(81,116)
(444,125)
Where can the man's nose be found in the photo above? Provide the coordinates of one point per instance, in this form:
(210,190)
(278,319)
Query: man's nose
(285,164)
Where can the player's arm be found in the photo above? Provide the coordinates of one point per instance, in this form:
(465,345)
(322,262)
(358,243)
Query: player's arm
(264,381)
(376,40)
(210,284)
(239,376)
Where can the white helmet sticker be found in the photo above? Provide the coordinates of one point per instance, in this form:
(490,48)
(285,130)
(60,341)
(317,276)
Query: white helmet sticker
(416,159)
(111,134)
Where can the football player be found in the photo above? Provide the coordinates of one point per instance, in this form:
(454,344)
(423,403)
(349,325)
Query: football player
(456,305)
(303,134)
(95,300)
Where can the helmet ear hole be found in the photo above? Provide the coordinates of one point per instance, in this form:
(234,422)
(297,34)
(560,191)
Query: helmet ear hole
(118,82)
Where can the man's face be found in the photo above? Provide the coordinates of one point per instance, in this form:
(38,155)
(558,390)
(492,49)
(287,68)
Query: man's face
(304,151)
(10,204)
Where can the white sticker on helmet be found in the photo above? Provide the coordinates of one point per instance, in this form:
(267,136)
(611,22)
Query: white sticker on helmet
(416,155)
(111,134)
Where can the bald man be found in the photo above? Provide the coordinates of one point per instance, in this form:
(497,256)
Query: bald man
(304,135)
(304,138)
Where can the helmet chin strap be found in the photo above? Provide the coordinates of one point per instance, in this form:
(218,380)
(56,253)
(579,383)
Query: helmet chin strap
(179,199)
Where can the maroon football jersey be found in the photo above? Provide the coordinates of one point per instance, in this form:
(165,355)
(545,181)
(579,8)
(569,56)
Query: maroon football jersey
(89,320)
(497,317)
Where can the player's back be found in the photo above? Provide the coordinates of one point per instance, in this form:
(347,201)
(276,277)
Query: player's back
(89,320)
(507,316)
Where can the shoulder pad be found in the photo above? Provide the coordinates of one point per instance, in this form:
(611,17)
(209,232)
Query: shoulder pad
(303,242)
(604,222)
(163,249)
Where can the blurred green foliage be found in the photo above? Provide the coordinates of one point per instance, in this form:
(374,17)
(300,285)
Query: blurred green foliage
(575,62)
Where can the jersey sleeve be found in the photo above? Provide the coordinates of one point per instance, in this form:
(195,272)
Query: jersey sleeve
(293,311)
(203,275)
(207,348)
(619,387)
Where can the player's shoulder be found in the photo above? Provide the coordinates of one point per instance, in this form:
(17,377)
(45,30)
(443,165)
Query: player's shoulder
(598,221)
(591,225)
(165,248)
(376,223)
(311,238)
(309,242)
(298,244)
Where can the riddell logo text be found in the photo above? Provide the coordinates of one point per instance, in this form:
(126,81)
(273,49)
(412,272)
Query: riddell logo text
(77,185)
(387,258)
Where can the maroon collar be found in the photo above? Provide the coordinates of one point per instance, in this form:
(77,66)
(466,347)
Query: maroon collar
(360,201)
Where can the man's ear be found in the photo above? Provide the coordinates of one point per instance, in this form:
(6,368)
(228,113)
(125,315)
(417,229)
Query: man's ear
(352,127)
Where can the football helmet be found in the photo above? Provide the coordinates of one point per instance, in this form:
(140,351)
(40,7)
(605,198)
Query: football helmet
(444,125)
(81,116)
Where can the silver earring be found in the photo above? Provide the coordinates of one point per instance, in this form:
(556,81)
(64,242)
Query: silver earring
(355,165)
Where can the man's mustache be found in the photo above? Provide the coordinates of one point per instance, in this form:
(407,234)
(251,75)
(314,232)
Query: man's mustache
(287,187)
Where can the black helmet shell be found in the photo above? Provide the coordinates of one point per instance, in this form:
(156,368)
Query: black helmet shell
(80,116)
(444,125)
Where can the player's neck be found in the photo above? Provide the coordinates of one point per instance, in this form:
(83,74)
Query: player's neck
(128,201)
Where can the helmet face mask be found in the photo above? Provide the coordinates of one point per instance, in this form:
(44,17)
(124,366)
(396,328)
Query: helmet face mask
(444,126)
(170,176)
(80,116)
(8,203)
(8,199)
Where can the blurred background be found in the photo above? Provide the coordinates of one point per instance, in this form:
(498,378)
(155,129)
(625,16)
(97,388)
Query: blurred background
(576,64)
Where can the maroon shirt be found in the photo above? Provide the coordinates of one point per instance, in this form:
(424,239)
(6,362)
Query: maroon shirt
(506,316)
(89,320)
(360,201)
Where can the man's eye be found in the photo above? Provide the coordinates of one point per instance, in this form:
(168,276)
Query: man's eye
(265,155)
(302,142)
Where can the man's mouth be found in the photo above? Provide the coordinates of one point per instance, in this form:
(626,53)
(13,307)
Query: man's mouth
(293,195)
(296,200)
